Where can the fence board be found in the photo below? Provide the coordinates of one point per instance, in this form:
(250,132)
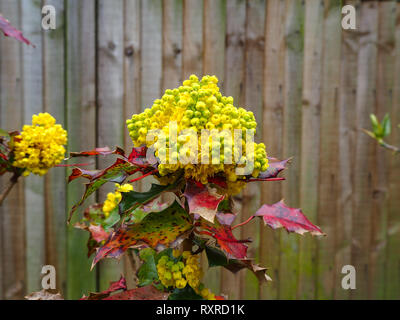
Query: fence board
(392,280)
(291,144)
(214,27)
(55,188)
(81,125)
(110,122)
(131,74)
(192,46)
(347,130)
(272,135)
(328,170)
(310,140)
(12,211)
(253,101)
(32,84)
(234,66)
(364,149)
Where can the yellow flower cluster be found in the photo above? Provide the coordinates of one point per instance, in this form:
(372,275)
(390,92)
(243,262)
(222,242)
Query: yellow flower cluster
(194,106)
(114,198)
(182,271)
(40,146)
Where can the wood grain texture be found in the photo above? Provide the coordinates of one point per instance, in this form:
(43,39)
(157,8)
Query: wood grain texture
(346,137)
(234,86)
(81,126)
(253,101)
(291,144)
(384,104)
(329,150)
(392,279)
(192,46)
(110,121)
(12,211)
(214,30)
(32,95)
(310,140)
(364,149)
(53,103)
(272,119)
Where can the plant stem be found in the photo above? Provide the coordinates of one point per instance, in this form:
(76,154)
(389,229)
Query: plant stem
(243,223)
(390,147)
(13,181)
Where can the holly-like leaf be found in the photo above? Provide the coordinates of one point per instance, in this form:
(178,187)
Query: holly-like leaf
(202,200)
(275,167)
(217,258)
(114,286)
(117,172)
(293,220)
(157,228)
(187,293)
(147,272)
(10,31)
(142,293)
(131,200)
(222,233)
(98,151)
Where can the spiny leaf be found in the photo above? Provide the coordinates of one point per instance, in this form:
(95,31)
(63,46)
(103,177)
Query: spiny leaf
(117,172)
(157,228)
(131,200)
(293,220)
(186,293)
(147,272)
(44,295)
(114,286)
(142,293)
(222,233)
(10,31)
(275,167)
(217,258)
(98,151)
(201,200)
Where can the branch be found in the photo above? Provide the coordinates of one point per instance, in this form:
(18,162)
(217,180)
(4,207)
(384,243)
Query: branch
(396,150)
(13,181)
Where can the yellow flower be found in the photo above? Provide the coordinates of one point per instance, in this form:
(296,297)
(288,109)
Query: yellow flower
(40,146)
(113,199)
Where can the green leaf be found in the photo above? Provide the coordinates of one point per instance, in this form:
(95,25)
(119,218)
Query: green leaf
(215,257)
(147,272)
(386,124)
(131,200)
(157,228)
(4,133)
(186,293)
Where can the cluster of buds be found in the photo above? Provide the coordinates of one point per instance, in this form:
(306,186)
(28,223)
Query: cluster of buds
(114,198)
(196,130)
(40,146)
(182,270)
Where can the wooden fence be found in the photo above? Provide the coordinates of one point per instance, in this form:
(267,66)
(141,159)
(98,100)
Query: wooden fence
(311,85)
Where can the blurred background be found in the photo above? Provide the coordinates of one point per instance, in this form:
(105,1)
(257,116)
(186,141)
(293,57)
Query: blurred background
(311,85)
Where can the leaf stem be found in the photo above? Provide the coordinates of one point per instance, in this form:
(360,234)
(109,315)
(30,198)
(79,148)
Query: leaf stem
(13,181)
(243,223)
(396,150)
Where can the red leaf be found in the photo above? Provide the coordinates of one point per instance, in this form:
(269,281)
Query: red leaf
(140,158)
(142,293)
(98,233)
(201,201)
(275,167)
(98,151)
(10,31)
(234,248)
(293,220)
(114,286)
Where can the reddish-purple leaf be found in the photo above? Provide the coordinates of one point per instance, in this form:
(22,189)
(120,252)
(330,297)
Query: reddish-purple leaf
(10,31)
(141,158)
(114,286)
(202,200)
(293,220)
(98,151)
(271,174)
(143,293)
